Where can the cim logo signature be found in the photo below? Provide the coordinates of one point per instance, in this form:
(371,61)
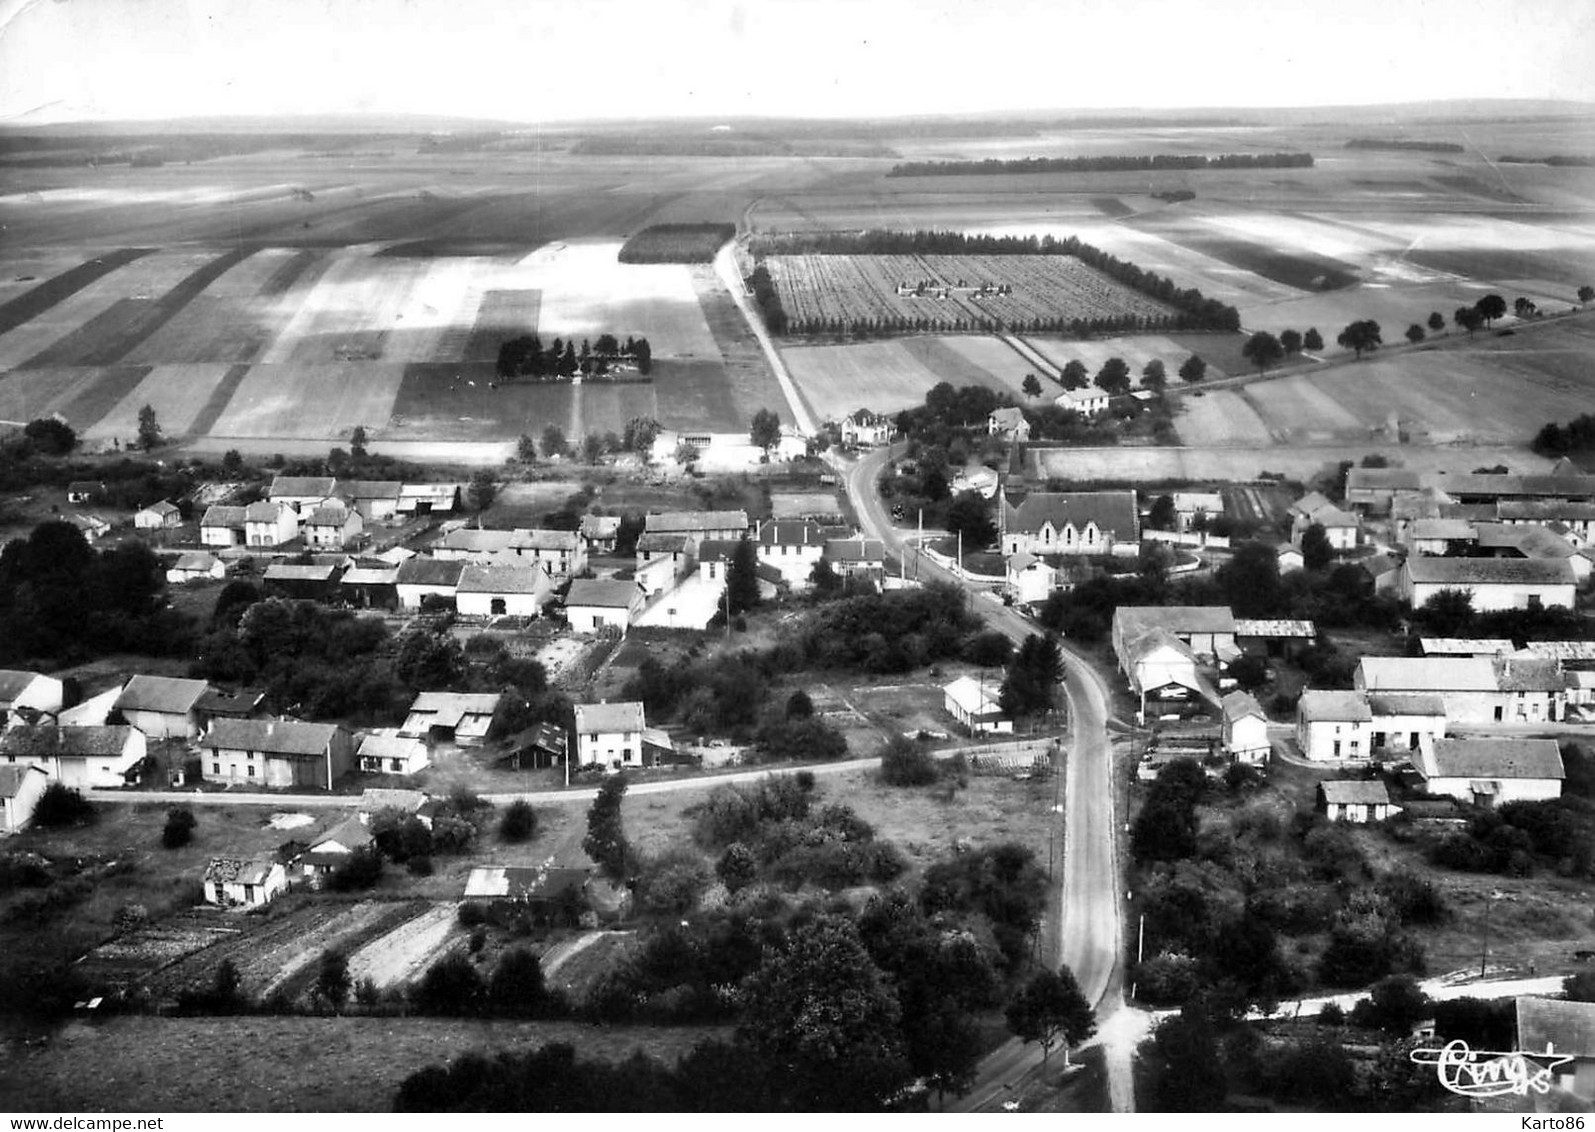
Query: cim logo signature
(1490,1073)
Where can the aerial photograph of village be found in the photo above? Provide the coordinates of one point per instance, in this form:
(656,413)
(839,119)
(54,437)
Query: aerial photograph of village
(775,556)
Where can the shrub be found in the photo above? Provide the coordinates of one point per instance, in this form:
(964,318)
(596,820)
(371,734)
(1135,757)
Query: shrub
(451,834)
(1166,979)
(799,705)
(450,986)
(519,822)
(477,940)
(988,648)
(737,867)
(362,870)
(472,913)
(60,806)
(673,884)
(1331,1014)
(904,763)
(517,988)
(1396,1004)
(179,828)
(419,866)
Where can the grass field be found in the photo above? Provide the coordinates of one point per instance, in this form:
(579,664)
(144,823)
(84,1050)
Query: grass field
(1136,350)
(1246,462)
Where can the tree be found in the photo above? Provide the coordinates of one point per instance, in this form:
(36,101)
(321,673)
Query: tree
(1524,307)
(1468,318)
(639,435)
(1361,336)
(967,515)
(357,442)
(1316,553)
(1415,334)
(425,660)
(51,436)
(606,840)
(232,461)
(765,432)
(1585,294)
(1031,385)
(1031,683)
(738,867)
(742,578)
(1490,308)
(1579,987)
(1193,369)
(686,453)
(61,805)
(1114,377)
(332,980)
(643,353)
(179,828)
(554,443)
(1312,341)
(1262,349)
(1290,342)
(1154,376)
(519,822)
(149,429)
(1049,1007)
(1162,517)
(1250,579)
(1395,1005)
(1075,375)
(592,448)
(1186,1067)
(482,490)
(517,988)
(450,986)
(903,763)
(799,705)
(1436,321)
(526,449)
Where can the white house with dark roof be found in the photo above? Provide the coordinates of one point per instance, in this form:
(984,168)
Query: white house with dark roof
(223,526)
(388,752)
(21,787)
(503,591)
(598,533)
(592,605)
(163,707)
(334,847)
(462,718)
(231,882)
(860,557)
(1532,690)
(92,757)
(1245,728)
(420,578)
(1409,721)
(974,704)
(865,429)
(1088,400)
(792,548)
(1488,772)
(610,734)
(1340,527)
(270,524)
(276,753)
(26,696)
(697,525)
(1334,726)
(562,553)
(195,566)
(1069,522)
(1355,800)
(332,526)
(158,516)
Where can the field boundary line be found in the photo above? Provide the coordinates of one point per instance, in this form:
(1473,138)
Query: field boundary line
(725,263)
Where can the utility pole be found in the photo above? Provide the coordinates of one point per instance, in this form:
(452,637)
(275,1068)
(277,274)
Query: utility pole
(919,543)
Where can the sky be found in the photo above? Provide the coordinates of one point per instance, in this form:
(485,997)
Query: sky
(551,60)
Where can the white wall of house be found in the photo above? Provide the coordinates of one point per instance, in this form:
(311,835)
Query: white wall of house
(221,536)
(592,618)
(43,693)
(1337,740)
(249,768)
(498,604)
(1507,789)
(795,561)
(411,596)
(164,724)
(1246,738)
(16,812)
(1491,596)
(1408,732)
(1165,666)
(1360,812)
(611,748)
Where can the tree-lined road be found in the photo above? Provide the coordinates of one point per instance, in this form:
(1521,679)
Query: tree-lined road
(1089,901)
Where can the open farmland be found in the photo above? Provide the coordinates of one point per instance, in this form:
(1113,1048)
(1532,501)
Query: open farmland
(948,292)
(1135,349)
(892,375)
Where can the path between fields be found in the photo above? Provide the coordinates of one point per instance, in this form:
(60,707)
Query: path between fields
(566,950)
(726,265)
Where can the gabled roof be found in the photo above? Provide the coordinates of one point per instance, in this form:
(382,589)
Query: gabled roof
(1331,706)
(1449,530)
(428,492)
(1007,418)
(1531,540)
(1275,628)
(1405,703)
(1355,792)
(1111,511)
(1549,1025)
(602,593)
(624,716)
(430,572)
(1239,705)
(13,776)
(1085,396)
(1538,675)
(222,515)
(540,539)
(232,870)
(972,697)
(85,487)
(717,549)
(790,532)
(477,541)
(377,798)
(369,489)
(1144,644)
(1133,620)
(1378,565)
(302,487)
(1493,758)
(243,702)
(1560,650)
(164,508)
(695,522)
(448,708)
(263,512)
(195,560)
(1491,571)
(1464,646)
(329,515)
(1545,510)
(855,550)
(525,883)
(1504,486)
(659,542)
(350,834)
(868,417)
(283,737)
(1311,503)
(161,693)
(49,741)
(504,580)
(13,683)
(279,572)
(366,576)
(1427,674)
(600,526)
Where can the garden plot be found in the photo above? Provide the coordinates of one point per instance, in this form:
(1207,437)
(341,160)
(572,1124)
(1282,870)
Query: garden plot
(312,402)
(404,953)
(177,393)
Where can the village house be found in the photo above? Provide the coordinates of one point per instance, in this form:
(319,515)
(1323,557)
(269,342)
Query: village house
(1010,424)
(26,696)
(301,492)
(276,753)
(1192,508)
(1492,583)
(610,735)
(548,896)
(158,516)
(503,591)
(790,548)
(1467,686)
(1289,558)
(598,533)
(195,566)
(695,526)
(1372,489)
(1209,630)
(1069,522)
(1087,401)
(461,718)
(388,752)
(1464,646)
(1562,1029)
(1245,729)
(1532,691)
(86,758)
(1439,537)
(214,704)
(561,553)
(1340,527)
(1576,518)
(472,544)
(865,429)
(857,558)
(270,524)
(421,578)
(1530,540)
(660,563)
(222,525)
(368,587)
(1404,722)
(21,787)
(974,706)
(1161,668)
(1029,579)
(231,882)
(1334,726)
(415,804)
(332,526)
(305,583)
(376,501)
(1488,772)
(714,559)
(333,848)
(1384,571)
(417,499)
(163,707)
(1355,800)
(594,605)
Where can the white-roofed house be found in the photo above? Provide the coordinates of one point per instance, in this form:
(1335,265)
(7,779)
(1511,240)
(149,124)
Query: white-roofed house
(503,591)
(158,516)
(1355,800)
(81,757)
(21,787)
(26,696)
(462,718)
(1488,772)
(276,753)
(1334,726)
(163,707)
(610,735)
(974,705)
(1245,729)
(429,499)
(195,566)
(594,605)
(1030,579)
(1087,401)
(232,882)
(388,752)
